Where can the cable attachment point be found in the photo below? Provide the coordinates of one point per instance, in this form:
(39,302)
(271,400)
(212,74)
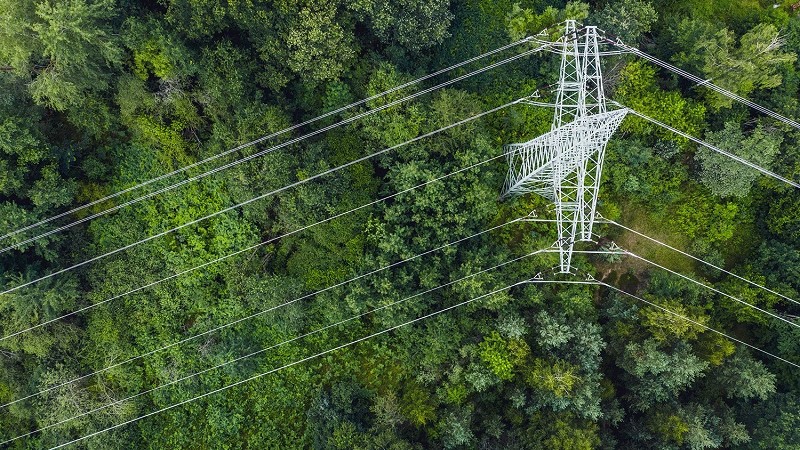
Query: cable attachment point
(530,99)
(538,276)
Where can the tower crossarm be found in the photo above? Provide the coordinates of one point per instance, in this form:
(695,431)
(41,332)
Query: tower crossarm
(532,165)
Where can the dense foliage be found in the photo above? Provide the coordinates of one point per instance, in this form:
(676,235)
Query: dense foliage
(98,95)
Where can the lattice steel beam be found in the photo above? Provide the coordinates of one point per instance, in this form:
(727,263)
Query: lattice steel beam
(565,165)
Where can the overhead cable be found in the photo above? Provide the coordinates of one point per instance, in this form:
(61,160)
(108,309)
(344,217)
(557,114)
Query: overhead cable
(259,197)
(257,314)
(772,355)
(713,289)
(712,147)
(238,252)
(271,149)
(752,283)
(707,83)
(267,137)
(271,347)
(291,364)
(668,311)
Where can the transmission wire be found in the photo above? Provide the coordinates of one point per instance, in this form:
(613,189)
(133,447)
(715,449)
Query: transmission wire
(294,363)
(609,221)
(752,283)
(712,147)
(706,83)
(259,197)
(713,289)
(259,313)
(626,252)
(266,349)
(271,149)
(267,137)
(238,252)
(600,283)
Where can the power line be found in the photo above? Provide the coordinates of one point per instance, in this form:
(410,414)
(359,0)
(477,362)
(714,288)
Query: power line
(700,324)
(270,150)
(257,314)
(712,147)
(600,283)
(259,197)
(267,137)
(238,252)
(564,165)
(294,363)
(706,83)
(711,288)
(752,283)
(626,252)
(266,349)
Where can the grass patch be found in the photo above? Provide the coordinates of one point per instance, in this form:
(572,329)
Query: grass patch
(638,218)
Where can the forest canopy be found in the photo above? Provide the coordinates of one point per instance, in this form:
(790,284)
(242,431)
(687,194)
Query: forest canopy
(236,262)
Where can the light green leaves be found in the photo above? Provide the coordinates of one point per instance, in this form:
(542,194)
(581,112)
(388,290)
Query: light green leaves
(76,49)
(320,48)
(755,64)
(523,22)
(627,19)
(727,177)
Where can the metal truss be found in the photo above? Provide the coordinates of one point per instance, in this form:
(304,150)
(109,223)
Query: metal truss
(565,164)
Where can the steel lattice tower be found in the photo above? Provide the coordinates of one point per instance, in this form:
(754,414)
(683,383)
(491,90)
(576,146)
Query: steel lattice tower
(565,164)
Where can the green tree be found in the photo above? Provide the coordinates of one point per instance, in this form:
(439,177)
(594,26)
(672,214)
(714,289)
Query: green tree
(559,379)
(707,428)
(775,424)
(541,366)
(659,375)
(409,24)
(782,221)
(502,355)
(727,177)
(668,327)
(319,47)
(707,223)
(743,377)
(560,432)
(23,153)
(69,47)
(627,19)
(521,22)
(638,89)
(711,51)
(30,306)
(31,182)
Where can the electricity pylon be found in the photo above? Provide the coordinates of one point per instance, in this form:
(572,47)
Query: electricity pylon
(565,164)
